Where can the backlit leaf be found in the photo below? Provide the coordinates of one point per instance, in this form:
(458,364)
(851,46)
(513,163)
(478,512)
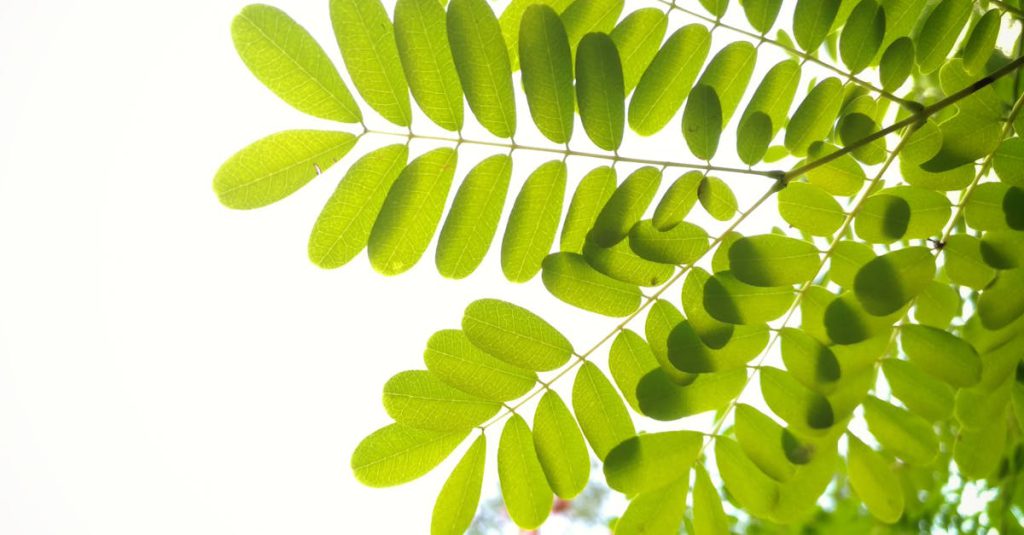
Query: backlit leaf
(591,194)
(882,218)
(600,411)
(481,60)
(563,454)
(623,264)
(688,353)
(1003,301)
(773,260)
(847,258)
(659,510)
(677,201)
(663,399)
(515,335)
(666,82)
(452,358)
(638,37)
(702,122)
(982,41)
(812,20)
(808,208)
(629,359)
(896,64)
(652,460)
(511,19)
(600,90)
(547,72)
(813,119)
(422,37)
(568,277)
(964,263)
(1008,161)
(397,454)
(728,299)
(419,399)
(524,487)
(626,206)
(717,198)
(533,222)
(473,217)
(920,392)
(799,406)
(904,433)
(684,243)
(874,481)
(940,31)
(708,515)
(862,35)
(888,282)
(728,74)
(761,13)
(762,441)
(456,504)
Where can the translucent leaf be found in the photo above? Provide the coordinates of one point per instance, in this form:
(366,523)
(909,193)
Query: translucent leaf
(708,515)
(937,305)
(515,335)
(773,260)
(563,454)
(589,16)
(813,306)
(422,36)
(1002,302)
(533,222)
(397,454)
(761,13)
(846,321)
(950,180)
(728,74)
(808,208)
(799,406)
(419,399)
(984,209)
(626,206)
(982,41)
(809,361)
(684,243)
(688,353)
(457,503)
(842,176)
(600,411)
(652,460)
(720,260)
(367,42)
(592,193)
(452,358)
(922,144)
(929,211)
(1008,162)
(798,498)
(524,488)
(702,122)
(888,282)
(715,7)
(940,31)
(600,90)
(763,442)
(277,166)
(344,225)
(411,212)
(812,20)
(621,263)
(473,217)
(713,333)
(775,93)
(481,60)
(920,392)
(659,510)
(862,35)
(896,64)
(661,319)
(855,127)
(882,218)
(1003,249)
(629,359)
(753,136)
(978,452)
(547,72)
(666,82)
(964,263)
(979,406)
(813,119)
(663,399)
(638,37)
(847,259)
(283,56)
(511,19)
(677,201)
(568,277)
(974,132)
(874,481)
(903,433)
(730,300)
(717,198)
(1013,208)
(752,489)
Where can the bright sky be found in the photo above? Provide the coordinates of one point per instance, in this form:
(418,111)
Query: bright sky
(171,366)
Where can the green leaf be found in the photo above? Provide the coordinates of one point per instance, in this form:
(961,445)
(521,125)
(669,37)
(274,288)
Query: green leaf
(799,406)
(568,277)
(897,63)
(637,37)
(621,263)
(659,510)
(929,211)
(626,206)
(667,81)
(344,225)
(940,31)
(761,13)
(1003,249)
(920,392)
(600,411)
(1013,208)
(922,144)
(728,299)
(883,218)
(728,74)
(775,93)
(982,41)
(753,136)
(592,193)
(715,7)
(1002,302)
(661,320)
(846,321)
(511,19)
(419,399)
(600,90)
(713,333)
(411,212)
(975,131)
(809,361)
(808,208)
(650,461)
(949,180)
(629,359)
(842,176)
(457,503)
(677,201)
(397,454)
(685,243)
(773,260)
(763,442)
(752,489)
(523,485)
(589,16)
(473,218)
(663,399)
(422,37)
(563,454)
(847,259)
(708,515)
(277,166)
(533,222)
(906,435)
(937,305)
(481,60)
(283,56)
(874,481)
(688,353)
(367,42)
(988,207)
(547,72)
(862,35)
(812,20)
(813,119)
(1008,162)
(717,198)
(964,263)
(888,282)
(702,122)
(452,358)
(978,452)
(515,335)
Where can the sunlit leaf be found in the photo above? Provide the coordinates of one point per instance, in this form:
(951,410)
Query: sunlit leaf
(458,500)
(563,454)
(638,37)
(397,454)
(666,82)
(419,399)
(874,481)
(591,194)
(888,282)
(515,335)
(903,433)
(570,278)
(717,198)
(524,487)
(473,217)
(652,460)
(730,300)
(547,72)
(813,119)
(600,411)
(600,90)
(682,244)
(922,393)
(422,36)
(452,358)
(773,260)
(677,201)
(626,206)
(533,222)
(481,60)
(659,510)
(812,20)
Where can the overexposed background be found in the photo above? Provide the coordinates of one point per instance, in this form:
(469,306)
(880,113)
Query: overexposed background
(171,366)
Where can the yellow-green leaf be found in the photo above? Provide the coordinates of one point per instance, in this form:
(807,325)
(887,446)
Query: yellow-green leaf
(629,359)
(808,208)
(452,358)
(533,222)
(397,454)
(637,37)
(515,335)
(941,354)
(923,394)
(419,399)
(560,447)
(773,260)
(568,277)
(591,194)
(600,411)
(666,82)
(904,433)
(547,72)
(481,60)
(730,300)
(626,206)
(659,510)
(421,33)
(652,460)
(684,243)
(457,503)
(600,90)
(874,481)
(702,122)
(473,218)
(524,488)
(677,201)
(717,198)
(813,119)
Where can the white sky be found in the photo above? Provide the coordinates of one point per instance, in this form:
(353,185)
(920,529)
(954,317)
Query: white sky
(171,366)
